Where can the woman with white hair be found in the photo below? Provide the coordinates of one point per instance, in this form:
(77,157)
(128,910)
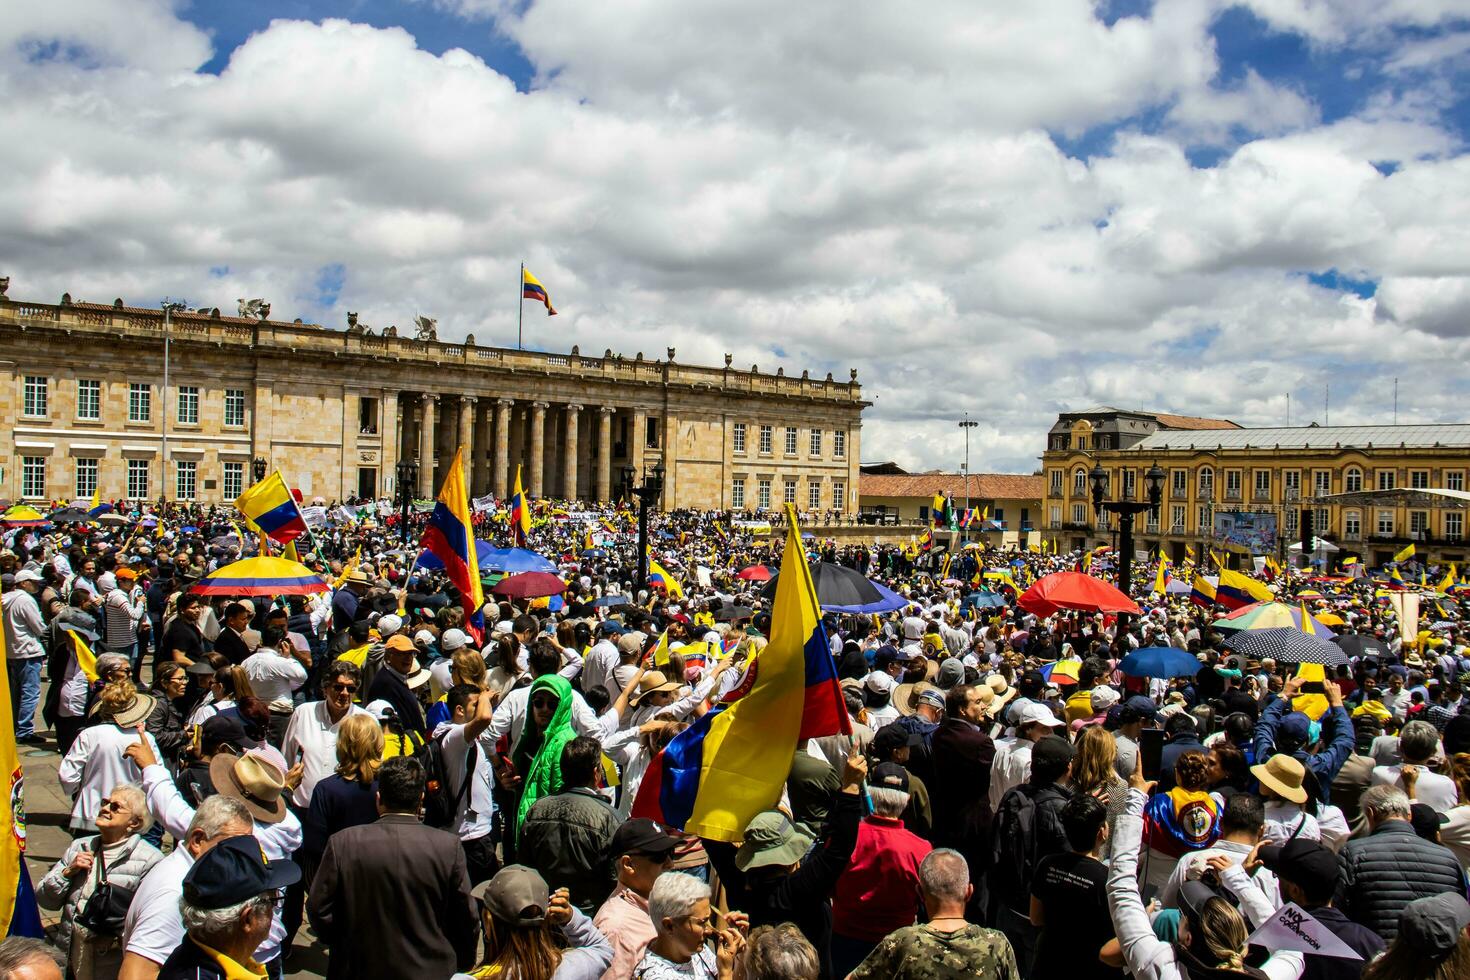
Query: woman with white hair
(90,929)
(680,909)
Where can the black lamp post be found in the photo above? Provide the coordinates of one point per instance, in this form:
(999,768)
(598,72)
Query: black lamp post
(1153,482)
(647,494)
(258,468)
(408,474)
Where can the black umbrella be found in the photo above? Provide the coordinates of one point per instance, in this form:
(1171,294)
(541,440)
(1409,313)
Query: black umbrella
(728,614)
(70,515)
(1286,645)
(1358,645)
(837,585)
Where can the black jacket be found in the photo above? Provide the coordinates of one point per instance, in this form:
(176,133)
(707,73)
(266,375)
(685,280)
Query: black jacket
(189,962)
(1363,941)
(963,754)
(567,838)
(1379,874)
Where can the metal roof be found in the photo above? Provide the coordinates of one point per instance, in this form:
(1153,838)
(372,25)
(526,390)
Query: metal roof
(1448,435)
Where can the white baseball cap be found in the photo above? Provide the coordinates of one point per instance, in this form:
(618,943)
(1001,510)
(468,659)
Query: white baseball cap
(389,624)
(27,575)
(453,639)
(879,682)
(1029,713)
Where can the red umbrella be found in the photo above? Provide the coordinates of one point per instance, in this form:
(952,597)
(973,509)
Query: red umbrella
(1073,590)
(529,585)
(757,573)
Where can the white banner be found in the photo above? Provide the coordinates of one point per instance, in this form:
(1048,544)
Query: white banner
(315,516)
(483,504)
(1293,928)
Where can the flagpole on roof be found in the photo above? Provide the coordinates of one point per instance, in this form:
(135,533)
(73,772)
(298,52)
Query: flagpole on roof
(520,305)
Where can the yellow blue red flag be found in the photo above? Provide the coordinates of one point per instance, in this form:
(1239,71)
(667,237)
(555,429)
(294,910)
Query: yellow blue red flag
(659,576)
(531,288)
(732,763)
(450,537)
(270,506)
(19,915)
(520,513)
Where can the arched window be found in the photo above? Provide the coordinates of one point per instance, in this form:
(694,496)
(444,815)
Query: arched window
(1079,482)
(1206,481)
(1353,480)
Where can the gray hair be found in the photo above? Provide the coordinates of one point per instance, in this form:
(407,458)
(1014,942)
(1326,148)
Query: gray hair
(1385,801)
(674,896)
(222,924)
(137,801)
(17,952)
(944,875)
(217,813)
(887,802)
(780,953)
(1418,741)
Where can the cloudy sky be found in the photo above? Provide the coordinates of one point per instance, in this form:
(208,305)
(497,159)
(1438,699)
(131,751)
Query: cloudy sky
(1007,209)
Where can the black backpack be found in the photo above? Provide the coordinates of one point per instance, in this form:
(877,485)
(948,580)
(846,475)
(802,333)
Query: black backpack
(440,806)
(1017,850)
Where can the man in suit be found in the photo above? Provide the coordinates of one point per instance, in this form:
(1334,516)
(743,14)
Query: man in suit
(392,898)
(963,753)
(231,640)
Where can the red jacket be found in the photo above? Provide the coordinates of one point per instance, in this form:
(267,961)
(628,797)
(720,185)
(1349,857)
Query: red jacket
(879,891)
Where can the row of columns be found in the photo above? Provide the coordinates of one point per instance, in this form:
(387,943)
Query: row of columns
(468,431)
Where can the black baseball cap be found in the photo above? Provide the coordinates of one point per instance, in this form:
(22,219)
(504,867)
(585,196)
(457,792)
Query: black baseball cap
(1142,706)
(233,871)
(889,775)
(225,729)
(1051,751)
(1031,683)
(644,837)
(892,736)
(1305,863)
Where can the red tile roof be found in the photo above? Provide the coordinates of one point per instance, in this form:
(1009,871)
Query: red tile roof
(1192,422)
(983,486)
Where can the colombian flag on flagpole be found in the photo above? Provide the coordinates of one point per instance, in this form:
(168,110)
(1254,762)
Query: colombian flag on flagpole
(450,538)
(731,764)
(520,513)
(659,576)
(270,506)
(19,914)
(1236,590)
(531,288)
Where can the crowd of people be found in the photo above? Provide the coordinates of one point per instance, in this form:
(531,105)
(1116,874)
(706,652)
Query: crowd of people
(437,799)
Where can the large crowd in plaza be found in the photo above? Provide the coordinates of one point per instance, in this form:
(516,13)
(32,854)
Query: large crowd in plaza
(1017,789)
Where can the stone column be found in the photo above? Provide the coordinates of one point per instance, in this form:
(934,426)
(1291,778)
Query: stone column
(538,448)
(480,468)
(426,447)
(502,447)
(569,454)
(668,442)
(388,437)
(604,453)
(467,433)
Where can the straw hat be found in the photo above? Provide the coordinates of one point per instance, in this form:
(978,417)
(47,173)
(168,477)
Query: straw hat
(253,781)
(1003,691)
(651,683)
(137,709)
(1283,774)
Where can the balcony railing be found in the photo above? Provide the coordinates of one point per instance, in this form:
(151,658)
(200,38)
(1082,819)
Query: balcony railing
(1076,526)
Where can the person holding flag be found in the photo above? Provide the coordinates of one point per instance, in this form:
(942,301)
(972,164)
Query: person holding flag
(520,513)
(449,536)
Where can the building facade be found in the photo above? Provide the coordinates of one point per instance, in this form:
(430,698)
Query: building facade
(1350,478)
(86,405)
(889,495)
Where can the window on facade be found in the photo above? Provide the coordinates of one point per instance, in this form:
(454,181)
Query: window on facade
(1291,520)
(1025,517)
(737,493)
(791,440)
(234,479)
(765,445)
(1454,525)
(1079,514)
(140,403)
(1322,481)
(235,406)
(1203,516)
(737,437)
(86,477)
(1079,482)
(813,496)
(186,473)
(1291,482)
(1054,515)
(1179,482)
(188,407)
(89,399)
(763,494)
(815,443)
(650,434)
(1232,484)
(1055,478)
(1454,479)
(1386,479)
(1130,483)
(1418,521)
(1352,480)
(138,479)
(33,477)
(367,414)
(34,402)
(1385,522)
(1419,479)
(788,492)
(839,495)
(1176,518)
(1352,524)
(1263,483)
(1206,481)
(839,444)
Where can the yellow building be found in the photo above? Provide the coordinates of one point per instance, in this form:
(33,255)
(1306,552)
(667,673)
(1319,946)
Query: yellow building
(114,397)
(1223,482)
(1011,501)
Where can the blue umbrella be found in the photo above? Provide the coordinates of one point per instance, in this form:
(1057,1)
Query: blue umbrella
(611,600)
(890,600)
(594,552)
(1160,662)
(514,560)
(985,600)
(430,561)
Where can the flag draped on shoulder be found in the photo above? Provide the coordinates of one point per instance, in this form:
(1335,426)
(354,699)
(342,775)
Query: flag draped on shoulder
(520,513)
(531,288)
(19,914)
(450,537)
(732,763)
(270,506)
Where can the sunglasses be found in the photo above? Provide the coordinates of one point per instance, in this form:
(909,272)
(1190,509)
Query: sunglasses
(545,702)
(112,806)
(347,688)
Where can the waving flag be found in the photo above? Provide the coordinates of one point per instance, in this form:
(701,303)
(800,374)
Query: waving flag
(1405,554)
(520,513)
(660,577)
(1202,591)
(270,506)
(732,763)
(1236,590)
(450,538)
(1161,577)
(19,915)
(531,288)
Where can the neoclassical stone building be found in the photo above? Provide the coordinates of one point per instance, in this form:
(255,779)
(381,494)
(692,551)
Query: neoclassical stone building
(85,404)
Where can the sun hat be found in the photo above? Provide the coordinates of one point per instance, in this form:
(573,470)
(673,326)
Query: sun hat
(771,839)
(139,707)
(1002,690)
(1284,775)
(652,683)
(516,895)
(254,781)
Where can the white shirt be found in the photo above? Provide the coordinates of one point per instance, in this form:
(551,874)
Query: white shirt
(94,767)
(1432,788)
(473,817)
(312,735)
(878,717)
(510,718)
(153,928)
(1264,878)
(273,677)
(23,625)
(598,667)
(1011,767)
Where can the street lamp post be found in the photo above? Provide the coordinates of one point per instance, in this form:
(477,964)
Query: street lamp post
(257,467)
(647,494)
(966,424)
(408,472)
(169,307)
(1126,510)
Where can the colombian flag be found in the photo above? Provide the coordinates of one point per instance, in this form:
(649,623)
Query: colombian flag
(1201,591)
(520,513)
(270,506)
(731,764)
(1236,590)
(531,288)
(659,576)
(450,538)
(19,915)
(1181,821)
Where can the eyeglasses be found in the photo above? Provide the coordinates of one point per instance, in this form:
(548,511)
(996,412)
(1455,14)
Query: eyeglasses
(346,688)
(112,806)
(545,702)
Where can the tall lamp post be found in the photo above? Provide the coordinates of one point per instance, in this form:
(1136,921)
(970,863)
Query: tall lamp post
(647,494)
(170,307)
(408,474)
(1153,482)
(257,468)
(966,424)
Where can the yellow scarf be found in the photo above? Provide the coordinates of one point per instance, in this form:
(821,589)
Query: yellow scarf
(249,970)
